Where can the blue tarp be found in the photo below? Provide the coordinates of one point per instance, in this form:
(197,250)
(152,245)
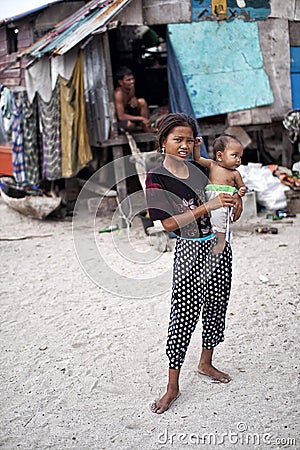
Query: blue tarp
(222,65)
(179,100)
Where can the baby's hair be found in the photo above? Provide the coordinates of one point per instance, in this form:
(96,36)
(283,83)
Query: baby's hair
(220,143)
(171,121)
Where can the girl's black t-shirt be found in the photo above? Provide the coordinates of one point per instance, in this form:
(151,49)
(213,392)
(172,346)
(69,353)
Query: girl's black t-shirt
(168,196)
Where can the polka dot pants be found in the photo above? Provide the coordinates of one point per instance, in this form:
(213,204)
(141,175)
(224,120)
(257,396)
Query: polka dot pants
(200,280)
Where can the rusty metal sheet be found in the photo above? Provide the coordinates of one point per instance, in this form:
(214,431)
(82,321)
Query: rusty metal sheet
(94,16)
(95,92)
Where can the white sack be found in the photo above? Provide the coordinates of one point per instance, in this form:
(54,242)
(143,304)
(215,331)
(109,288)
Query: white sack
(269,189)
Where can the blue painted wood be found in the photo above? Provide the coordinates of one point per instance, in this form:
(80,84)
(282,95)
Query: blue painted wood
(295,76)
(222,65)
(295,59)
(254,9)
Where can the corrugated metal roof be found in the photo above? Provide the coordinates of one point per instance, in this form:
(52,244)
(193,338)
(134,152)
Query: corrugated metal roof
(27,13)
(71,31)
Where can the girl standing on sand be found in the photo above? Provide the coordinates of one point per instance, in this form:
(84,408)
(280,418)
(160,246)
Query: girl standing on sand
(176,196)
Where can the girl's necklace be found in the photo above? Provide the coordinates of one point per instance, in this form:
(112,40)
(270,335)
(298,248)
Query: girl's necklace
(181,172)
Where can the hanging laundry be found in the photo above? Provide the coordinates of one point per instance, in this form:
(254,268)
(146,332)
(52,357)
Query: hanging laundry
(32,149)
(76,150)
(50,129)
(291,122)
(38,79)
(67,119)
(3,134)
(6,107)
(63,65)
(18,158)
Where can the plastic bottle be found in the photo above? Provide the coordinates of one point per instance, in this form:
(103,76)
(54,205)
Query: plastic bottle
(109,229)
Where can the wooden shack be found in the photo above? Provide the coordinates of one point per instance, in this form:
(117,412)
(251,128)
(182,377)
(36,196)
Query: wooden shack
(19,32)
(138,33)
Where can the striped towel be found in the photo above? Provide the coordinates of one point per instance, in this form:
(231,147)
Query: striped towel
(18,158)
(32,149)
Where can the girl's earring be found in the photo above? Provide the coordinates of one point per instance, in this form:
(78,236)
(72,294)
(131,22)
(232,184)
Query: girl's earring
(163,150)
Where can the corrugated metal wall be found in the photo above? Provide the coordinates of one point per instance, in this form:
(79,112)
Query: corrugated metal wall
(95,91)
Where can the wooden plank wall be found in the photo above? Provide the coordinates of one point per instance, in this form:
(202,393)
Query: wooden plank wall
(274,41)
(10,69)
(30,28)
(275,45)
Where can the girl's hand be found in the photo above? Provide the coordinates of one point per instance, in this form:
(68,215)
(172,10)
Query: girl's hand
(238,207)
(219,201)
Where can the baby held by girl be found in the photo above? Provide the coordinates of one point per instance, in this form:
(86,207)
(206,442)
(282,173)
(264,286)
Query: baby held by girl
(223,177)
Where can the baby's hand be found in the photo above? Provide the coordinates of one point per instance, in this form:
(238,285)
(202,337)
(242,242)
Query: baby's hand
(197,145)
(242,191)
(198,141)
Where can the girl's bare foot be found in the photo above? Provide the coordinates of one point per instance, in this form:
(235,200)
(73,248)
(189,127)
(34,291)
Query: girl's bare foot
(211,371)
(163,404)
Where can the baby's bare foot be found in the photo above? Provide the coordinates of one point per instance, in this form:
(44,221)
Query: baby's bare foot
(218,248)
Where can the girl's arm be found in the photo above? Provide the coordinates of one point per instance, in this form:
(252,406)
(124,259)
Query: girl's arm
(196,154)
(181,220)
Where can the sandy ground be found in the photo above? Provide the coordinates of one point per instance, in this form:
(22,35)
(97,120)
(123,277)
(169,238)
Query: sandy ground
(80,365)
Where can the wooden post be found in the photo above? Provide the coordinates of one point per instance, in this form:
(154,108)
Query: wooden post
(110,87)
(117,151)
(287,151)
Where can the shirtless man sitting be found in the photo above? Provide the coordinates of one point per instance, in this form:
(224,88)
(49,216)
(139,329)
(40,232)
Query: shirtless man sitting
(132,112)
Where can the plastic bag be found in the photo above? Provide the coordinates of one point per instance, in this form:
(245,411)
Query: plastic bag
(269,190)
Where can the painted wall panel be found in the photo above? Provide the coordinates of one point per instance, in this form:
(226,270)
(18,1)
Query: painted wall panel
(246,9)
(222,65)
(295,82)
(295,76)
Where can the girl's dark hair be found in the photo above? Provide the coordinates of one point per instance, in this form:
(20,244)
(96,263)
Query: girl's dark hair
(221,142)
(174,120)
